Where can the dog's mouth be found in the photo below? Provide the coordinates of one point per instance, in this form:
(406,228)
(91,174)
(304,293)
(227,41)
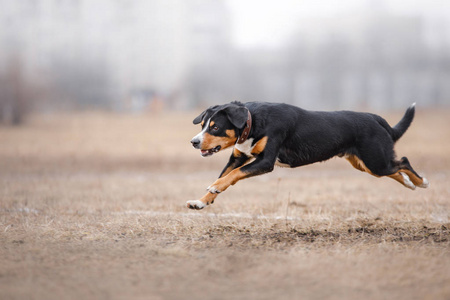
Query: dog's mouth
(210,152)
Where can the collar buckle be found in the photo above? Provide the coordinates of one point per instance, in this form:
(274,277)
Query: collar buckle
(247,129)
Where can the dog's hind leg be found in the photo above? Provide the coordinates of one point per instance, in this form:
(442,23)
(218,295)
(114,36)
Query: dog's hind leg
(401,171)
(403,179)
(377,158)
(357,163)
(401,175)
(406,169)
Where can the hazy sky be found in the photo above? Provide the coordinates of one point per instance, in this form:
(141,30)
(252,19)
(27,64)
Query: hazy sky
(268,23)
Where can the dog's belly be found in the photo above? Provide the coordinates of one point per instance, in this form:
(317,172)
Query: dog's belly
(279,163)
(287,159)
(292,158)
(288,162)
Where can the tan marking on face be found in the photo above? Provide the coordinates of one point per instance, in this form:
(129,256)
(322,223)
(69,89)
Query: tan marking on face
(359,164)
(259,146)
(202,123)
(211,141)
(231,133)
(211,124)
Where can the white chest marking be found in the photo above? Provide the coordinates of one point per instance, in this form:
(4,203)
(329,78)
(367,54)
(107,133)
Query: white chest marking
(200,135)
(246,147)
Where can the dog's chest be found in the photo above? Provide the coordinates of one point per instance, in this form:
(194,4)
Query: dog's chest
(246,147)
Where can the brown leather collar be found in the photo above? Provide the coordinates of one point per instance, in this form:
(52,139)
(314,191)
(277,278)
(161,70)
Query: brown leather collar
(247,128)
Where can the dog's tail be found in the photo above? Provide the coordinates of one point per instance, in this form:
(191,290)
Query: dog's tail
(401,127)
(398,130)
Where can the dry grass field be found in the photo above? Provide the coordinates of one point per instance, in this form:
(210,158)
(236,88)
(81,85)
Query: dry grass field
(92,206)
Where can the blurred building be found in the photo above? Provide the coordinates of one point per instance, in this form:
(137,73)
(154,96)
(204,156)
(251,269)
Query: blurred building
(365,58)
(100,52)
(370,58)
(127,54)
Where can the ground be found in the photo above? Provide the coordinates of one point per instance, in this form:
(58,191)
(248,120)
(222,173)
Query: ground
(92,206)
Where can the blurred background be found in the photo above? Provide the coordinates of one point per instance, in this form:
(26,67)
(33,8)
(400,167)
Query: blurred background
(140,56)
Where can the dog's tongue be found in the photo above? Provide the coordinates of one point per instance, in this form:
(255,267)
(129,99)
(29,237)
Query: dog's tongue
(206,153)
(210,151)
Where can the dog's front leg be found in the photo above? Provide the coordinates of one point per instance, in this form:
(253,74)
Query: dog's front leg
(260,166)
(237,159)
(218,186)
(200,204)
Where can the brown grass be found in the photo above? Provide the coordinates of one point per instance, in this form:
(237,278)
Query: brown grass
(92,206)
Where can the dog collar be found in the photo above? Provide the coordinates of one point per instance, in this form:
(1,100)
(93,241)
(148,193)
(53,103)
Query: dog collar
(247,128)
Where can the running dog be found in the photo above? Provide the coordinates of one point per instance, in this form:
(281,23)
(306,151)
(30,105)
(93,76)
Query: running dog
(267,134)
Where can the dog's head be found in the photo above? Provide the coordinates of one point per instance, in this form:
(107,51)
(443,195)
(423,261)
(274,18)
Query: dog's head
(220,127)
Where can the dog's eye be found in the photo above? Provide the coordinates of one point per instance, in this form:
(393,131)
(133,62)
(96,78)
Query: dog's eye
(214,128)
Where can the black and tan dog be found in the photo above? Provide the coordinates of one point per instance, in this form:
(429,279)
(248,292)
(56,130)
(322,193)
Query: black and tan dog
(267,134)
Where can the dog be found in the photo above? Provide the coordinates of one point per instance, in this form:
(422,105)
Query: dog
(267,134)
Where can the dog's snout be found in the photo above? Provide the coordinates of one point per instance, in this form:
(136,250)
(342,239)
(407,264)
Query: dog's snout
(195,143)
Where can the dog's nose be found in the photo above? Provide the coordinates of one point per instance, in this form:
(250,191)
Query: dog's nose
(195,143)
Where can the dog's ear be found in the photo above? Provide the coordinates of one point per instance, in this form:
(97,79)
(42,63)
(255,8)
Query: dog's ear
(198,119)
(237,115)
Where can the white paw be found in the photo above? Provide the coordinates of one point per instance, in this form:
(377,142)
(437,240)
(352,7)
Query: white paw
(195,204)
(408,183)
(424,184)
(213,190)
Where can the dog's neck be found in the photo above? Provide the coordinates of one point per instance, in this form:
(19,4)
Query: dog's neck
(247,128)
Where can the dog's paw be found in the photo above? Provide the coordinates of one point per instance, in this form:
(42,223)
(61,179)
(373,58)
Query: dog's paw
(195,204)
(424,184)
(213,189)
